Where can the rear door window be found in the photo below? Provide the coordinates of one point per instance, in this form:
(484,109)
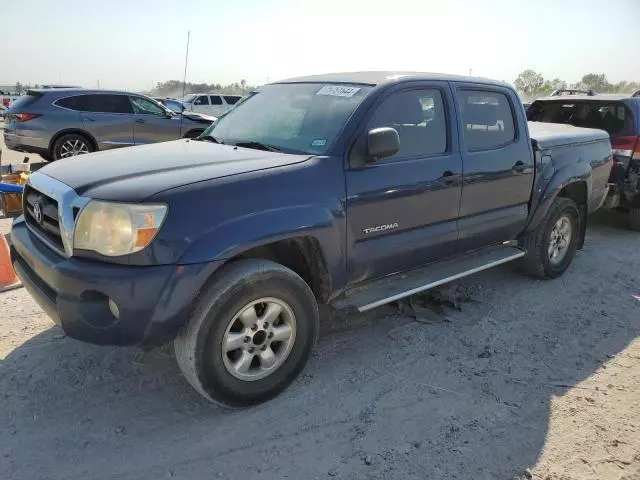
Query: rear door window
(487,119)
(613,117)
(97,103)
(201,100)
(216,100)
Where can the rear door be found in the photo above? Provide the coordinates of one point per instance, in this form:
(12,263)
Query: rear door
(402,211)
(218,106)
(107,117)
(497,165)
(152,124)
(201,104)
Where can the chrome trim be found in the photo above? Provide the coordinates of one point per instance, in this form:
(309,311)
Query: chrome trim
(67,200)
(108,142)
(437,283)
(17,135)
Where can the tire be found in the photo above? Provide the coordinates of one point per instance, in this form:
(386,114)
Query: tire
(539,261)
(220,377)
(71,145)
(46,157)
(634,219)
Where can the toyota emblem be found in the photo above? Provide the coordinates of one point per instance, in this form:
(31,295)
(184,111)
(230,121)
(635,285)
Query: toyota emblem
(37,212)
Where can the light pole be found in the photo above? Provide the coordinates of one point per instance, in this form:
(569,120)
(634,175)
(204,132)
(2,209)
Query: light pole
(186,59)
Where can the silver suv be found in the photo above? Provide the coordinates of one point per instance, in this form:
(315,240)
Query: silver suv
(62,123)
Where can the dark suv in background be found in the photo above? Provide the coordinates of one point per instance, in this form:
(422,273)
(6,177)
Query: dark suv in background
(619,115)
(60,123)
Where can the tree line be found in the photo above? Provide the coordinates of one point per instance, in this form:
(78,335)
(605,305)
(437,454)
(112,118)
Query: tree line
(531,84)
(174,88)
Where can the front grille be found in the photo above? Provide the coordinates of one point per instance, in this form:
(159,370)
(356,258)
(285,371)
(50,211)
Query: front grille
(47,222)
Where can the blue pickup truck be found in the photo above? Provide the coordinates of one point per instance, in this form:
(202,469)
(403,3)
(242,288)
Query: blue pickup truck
(352,189)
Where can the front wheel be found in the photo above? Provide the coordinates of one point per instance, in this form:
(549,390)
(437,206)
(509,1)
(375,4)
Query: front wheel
(553,244)
(250,335)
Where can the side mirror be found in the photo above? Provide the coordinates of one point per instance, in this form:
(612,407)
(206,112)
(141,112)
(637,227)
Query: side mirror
(382,142)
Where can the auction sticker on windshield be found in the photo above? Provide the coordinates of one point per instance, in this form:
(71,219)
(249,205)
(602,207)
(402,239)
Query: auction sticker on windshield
(338,91)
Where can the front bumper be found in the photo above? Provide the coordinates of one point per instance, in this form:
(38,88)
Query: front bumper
(153,301)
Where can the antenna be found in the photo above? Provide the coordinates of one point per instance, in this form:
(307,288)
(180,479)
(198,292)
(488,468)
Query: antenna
(186,59)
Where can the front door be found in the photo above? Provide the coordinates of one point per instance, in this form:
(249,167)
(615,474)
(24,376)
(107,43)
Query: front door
(498,166)
(402,211)
(152,124)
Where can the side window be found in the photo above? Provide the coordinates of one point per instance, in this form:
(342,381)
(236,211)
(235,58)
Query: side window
(231,99)
(487,119)
(97,103)
(419,118)
(201,100)
(216,100)
(72,103)
(143,106)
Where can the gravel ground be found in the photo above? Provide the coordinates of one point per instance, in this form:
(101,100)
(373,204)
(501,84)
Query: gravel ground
(531,379)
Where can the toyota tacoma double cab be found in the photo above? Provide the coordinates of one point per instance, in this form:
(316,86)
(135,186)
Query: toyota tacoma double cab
(352,190)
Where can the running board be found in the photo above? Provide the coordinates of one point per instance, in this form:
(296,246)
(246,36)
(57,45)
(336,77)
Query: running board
(400,285)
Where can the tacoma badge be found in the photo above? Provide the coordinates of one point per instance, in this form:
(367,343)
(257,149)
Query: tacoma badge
(380,228)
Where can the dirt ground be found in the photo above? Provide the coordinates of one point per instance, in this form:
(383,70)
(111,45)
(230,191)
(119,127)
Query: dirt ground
(531,379)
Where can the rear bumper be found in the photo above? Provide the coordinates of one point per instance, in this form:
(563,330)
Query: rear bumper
(24,143)
(153,301)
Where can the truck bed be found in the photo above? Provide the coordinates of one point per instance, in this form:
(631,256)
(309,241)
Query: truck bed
(549,135)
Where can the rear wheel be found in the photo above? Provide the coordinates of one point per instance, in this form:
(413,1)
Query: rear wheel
(552,246)
(71,145)
(250,335)
(634,219)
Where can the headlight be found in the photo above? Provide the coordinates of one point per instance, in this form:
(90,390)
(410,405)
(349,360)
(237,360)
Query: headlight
(115,229)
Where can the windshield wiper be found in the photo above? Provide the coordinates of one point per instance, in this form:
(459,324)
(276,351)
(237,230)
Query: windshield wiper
(257,146)
(208,138)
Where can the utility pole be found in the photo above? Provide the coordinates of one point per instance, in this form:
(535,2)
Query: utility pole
(469,72)
(186,59)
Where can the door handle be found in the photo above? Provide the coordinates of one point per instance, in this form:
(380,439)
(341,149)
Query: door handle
(448,177)
(519,167)
(140,120)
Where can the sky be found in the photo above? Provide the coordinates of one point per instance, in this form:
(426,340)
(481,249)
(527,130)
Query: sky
(133,44)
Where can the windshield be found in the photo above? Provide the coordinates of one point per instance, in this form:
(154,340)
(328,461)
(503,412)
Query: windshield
(188,98)
(294,118)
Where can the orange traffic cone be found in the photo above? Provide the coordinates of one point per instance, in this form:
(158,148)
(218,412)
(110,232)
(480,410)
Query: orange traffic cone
(8,278)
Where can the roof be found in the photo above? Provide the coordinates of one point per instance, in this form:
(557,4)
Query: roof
(598,96)
(78,90)
(556,134)
(380,77)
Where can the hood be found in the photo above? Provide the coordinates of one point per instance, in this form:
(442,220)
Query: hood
(135,173)
(199,117)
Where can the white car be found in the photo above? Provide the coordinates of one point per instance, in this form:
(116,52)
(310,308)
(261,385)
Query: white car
(210,103)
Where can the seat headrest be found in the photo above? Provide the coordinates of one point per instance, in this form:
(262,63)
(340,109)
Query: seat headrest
(404,108)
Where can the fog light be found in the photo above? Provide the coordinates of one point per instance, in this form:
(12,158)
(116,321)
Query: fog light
(113,307)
